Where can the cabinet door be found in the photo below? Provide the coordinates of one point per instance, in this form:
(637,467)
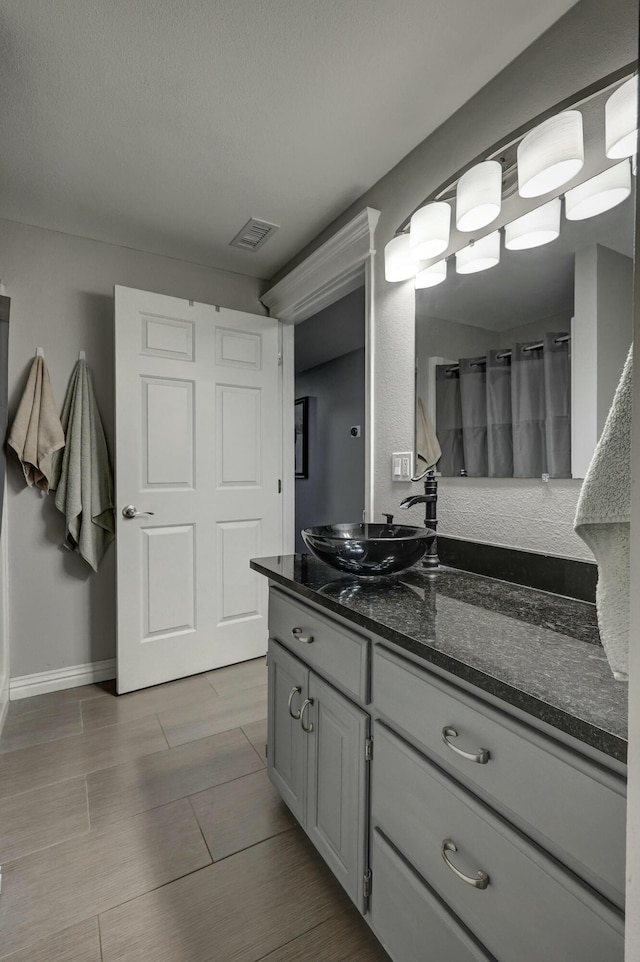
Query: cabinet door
(287,744)
(337,784)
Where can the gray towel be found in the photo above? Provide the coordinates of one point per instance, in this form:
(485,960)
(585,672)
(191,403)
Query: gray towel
(427,445)
(82,475)
(603,519)
(36,433)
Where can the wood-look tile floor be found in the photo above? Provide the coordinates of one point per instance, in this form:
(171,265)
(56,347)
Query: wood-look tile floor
(143,827)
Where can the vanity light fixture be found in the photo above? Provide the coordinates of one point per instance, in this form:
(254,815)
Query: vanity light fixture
(430,230)
(600,193)
(551,154)
(480,255)
(431,276)
(479,196)
(621,120)
(399,265)
(538,227)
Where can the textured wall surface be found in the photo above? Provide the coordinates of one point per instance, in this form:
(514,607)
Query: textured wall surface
(592,40)
(61,290)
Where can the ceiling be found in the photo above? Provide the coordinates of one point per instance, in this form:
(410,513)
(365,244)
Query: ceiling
(164,126)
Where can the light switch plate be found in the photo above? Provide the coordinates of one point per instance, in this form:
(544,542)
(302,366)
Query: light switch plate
(401,465)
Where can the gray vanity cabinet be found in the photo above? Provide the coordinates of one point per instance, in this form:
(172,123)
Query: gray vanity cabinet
(287,751)
(317,742)
(477,837)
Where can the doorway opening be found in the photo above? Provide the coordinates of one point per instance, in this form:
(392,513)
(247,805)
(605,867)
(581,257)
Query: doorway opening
(330,365)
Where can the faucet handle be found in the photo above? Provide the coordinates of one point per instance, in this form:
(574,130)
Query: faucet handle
(389,517)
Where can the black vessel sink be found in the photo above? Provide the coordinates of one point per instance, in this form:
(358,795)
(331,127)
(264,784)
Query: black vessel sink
(368,550)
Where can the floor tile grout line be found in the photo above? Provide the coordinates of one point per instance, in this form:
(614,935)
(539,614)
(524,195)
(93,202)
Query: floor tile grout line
(44,848)
(157,751)
(100,938)
(33,945)
(39,788)
(164,734)
(301,935)
(202,868)
(179,798)
(195,815)
(264,765)
(246,848)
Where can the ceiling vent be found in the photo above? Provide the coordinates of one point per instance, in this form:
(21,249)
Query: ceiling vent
(253,235)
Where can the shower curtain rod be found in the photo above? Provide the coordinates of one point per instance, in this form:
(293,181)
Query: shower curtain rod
(530,347)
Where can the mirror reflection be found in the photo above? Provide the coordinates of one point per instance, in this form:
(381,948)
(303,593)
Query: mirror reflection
(516,366)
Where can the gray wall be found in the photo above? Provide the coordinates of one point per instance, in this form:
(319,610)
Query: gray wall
(334,490)
(592,40)
(336,330)
(61,290)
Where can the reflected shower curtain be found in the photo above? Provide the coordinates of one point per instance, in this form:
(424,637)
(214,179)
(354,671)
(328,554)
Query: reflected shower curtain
(499,417)
(473,401)
(557,394)
(449,429)
(528,409)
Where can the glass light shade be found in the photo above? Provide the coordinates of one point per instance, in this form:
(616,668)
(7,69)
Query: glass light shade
(550,154)
(479,256)
(479,196)
(538,227)
(431,276)
(399,265)
(621,120)
(430,230)
(600,193)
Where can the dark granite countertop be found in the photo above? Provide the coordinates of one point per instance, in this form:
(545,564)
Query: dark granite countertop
(536,651)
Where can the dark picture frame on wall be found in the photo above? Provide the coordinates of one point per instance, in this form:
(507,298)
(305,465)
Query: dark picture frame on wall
(301,420)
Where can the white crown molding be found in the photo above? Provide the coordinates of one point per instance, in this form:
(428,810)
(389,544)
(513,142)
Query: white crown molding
(73,677)
(332,271)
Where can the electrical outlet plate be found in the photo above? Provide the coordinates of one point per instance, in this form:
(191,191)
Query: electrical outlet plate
(401,465)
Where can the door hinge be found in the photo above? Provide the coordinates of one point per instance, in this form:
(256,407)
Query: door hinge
(266,751)
(266,659)
(366,884)
(279,486)
(368,749)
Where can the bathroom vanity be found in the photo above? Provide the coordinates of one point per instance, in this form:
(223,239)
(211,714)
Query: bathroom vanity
(455,748)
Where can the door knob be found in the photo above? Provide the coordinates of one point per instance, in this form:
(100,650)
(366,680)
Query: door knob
(130,511)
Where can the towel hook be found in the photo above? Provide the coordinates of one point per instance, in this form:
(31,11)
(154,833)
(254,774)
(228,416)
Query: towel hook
(39,352)
(82,356)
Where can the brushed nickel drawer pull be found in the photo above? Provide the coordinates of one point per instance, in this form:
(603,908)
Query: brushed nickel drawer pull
(305,705)
(293,691)
(481,757)
(482,879)
(297,634)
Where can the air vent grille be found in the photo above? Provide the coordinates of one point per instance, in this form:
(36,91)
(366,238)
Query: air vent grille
(253,234)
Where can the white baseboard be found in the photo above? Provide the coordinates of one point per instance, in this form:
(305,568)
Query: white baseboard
(44,681)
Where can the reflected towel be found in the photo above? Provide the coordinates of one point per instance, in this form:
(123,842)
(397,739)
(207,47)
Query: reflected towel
(82,474)
(427,444)
(603,522)
(36,433)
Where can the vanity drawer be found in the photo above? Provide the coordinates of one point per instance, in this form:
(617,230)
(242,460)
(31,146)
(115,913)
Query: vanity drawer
(531,910)
(337,653)
(406,916)
(569,804)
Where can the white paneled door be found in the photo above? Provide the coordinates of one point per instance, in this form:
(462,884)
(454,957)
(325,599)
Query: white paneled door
(198,468)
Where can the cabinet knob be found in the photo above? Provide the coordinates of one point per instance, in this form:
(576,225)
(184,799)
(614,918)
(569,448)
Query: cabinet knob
(481,757)
(294,690)
(481,880)
(297,634)
(305,705)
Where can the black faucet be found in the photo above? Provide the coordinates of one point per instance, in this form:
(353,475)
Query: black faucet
(429,499)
